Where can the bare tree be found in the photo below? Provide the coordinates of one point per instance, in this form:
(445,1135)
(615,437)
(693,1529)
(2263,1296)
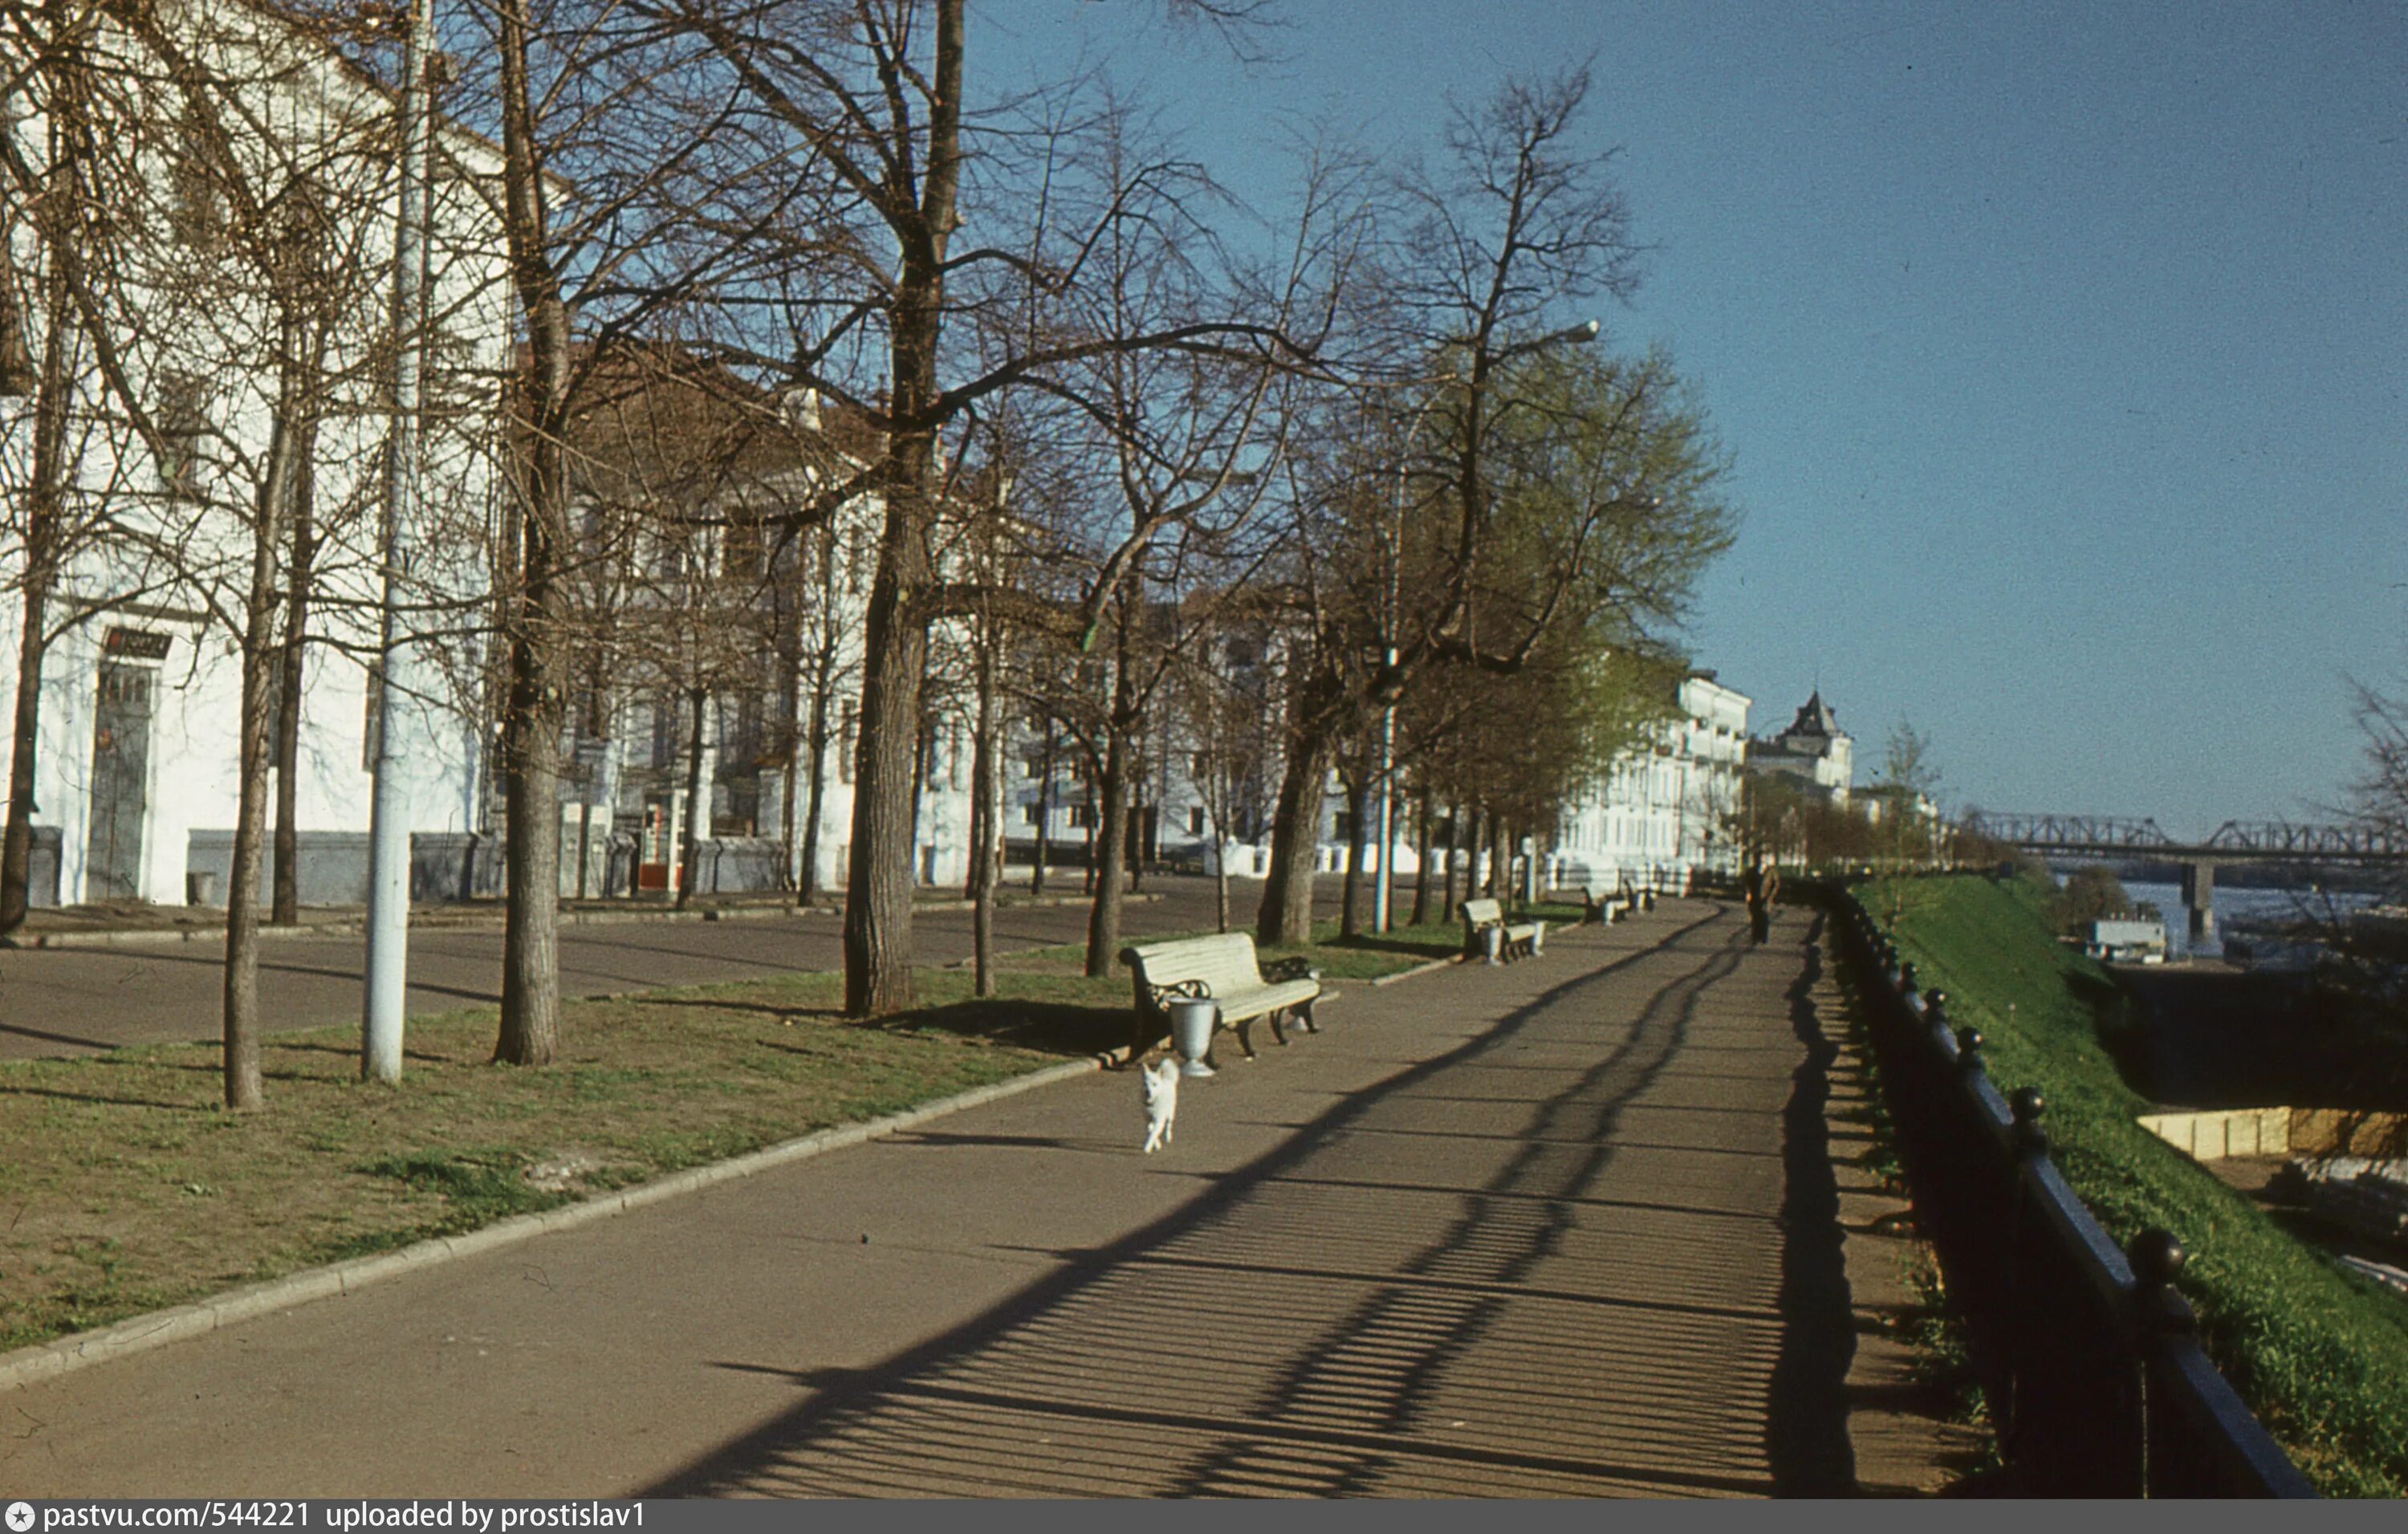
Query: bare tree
(1220,703)
(606,234)
(870,97)
(1521,222)
(198,233)
(73,206)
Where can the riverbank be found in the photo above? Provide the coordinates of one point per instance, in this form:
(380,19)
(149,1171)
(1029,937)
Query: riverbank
(2321,1355)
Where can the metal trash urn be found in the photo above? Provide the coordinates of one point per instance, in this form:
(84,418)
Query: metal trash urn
(1192,1022)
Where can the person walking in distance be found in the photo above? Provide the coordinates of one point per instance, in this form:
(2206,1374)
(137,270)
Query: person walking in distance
(1763,884)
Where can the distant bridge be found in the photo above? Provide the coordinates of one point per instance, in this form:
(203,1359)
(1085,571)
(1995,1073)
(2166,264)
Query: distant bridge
(2234,841)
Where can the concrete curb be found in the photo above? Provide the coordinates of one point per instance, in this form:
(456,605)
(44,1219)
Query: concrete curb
(1431,967)
(149,936)
(137,1334)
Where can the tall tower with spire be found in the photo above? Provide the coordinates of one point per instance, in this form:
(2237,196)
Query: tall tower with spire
(1813,750)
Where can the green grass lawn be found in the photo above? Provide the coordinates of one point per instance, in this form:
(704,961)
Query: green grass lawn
(2320,1354)
(126,1187)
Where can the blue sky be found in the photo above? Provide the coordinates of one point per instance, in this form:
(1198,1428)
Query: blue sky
(2061,351)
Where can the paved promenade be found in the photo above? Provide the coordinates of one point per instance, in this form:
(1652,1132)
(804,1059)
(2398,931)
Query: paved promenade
(1568,1228)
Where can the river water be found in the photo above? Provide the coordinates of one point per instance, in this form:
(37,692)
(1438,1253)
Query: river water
(2239,906)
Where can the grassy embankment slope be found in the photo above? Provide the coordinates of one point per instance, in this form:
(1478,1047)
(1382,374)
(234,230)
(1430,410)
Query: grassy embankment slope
(2321,1354)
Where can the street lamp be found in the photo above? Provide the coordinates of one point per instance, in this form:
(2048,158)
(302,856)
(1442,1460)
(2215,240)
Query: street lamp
(388,903)
(1384,880)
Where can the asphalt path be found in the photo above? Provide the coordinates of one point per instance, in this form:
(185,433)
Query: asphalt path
(60,1001)
(1563,1228)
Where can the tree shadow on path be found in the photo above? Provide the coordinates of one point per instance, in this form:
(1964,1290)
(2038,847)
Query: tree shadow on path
(1327,1334)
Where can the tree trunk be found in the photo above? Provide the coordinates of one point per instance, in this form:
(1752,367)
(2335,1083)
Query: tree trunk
(987,846)
(529,1034)
(786,786)
(1285,916)
(261,663)
(878,900)
(1087,779)
(287,912)
(696,807)
(1422,831)
(1358,796)
(1111,843)
(977,832)
(1044,815)
(879,877)
(807,879)
(1470,841)
(16,851)
(44,494)
(1220,875)
(1455,858)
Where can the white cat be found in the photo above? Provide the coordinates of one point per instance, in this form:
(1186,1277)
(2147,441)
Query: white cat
(1161,1084)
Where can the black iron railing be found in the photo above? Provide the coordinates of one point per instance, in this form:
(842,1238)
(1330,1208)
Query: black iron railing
(2090,1354)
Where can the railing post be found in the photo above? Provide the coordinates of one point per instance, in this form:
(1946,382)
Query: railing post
(1969,1051)
(2030,1142)
(2159,1310)
(2029,1105)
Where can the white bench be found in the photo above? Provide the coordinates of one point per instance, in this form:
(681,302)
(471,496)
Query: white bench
(1519,940)
(1605,905)
(1222,969)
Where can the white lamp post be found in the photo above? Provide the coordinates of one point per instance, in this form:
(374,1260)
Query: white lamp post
(388,914)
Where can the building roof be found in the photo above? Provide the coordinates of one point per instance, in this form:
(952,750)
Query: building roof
(1815,718)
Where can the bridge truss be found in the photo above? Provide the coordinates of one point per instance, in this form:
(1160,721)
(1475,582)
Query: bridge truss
(2233,841)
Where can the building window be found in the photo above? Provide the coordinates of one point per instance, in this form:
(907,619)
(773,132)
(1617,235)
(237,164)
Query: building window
(194,210)
(17,375)
(183,418)
(1028,814)
(1083,816)
(665,733)
(858,557)
(741,558)
(1196,820)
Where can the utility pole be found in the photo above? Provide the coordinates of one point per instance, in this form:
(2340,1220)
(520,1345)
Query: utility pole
(388,918)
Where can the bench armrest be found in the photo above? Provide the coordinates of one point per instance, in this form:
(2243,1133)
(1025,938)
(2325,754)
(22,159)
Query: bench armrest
(1294,966)
(1160,997)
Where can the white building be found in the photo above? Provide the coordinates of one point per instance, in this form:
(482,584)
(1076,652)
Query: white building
(1814,751)
(1659,814)
(253,225)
